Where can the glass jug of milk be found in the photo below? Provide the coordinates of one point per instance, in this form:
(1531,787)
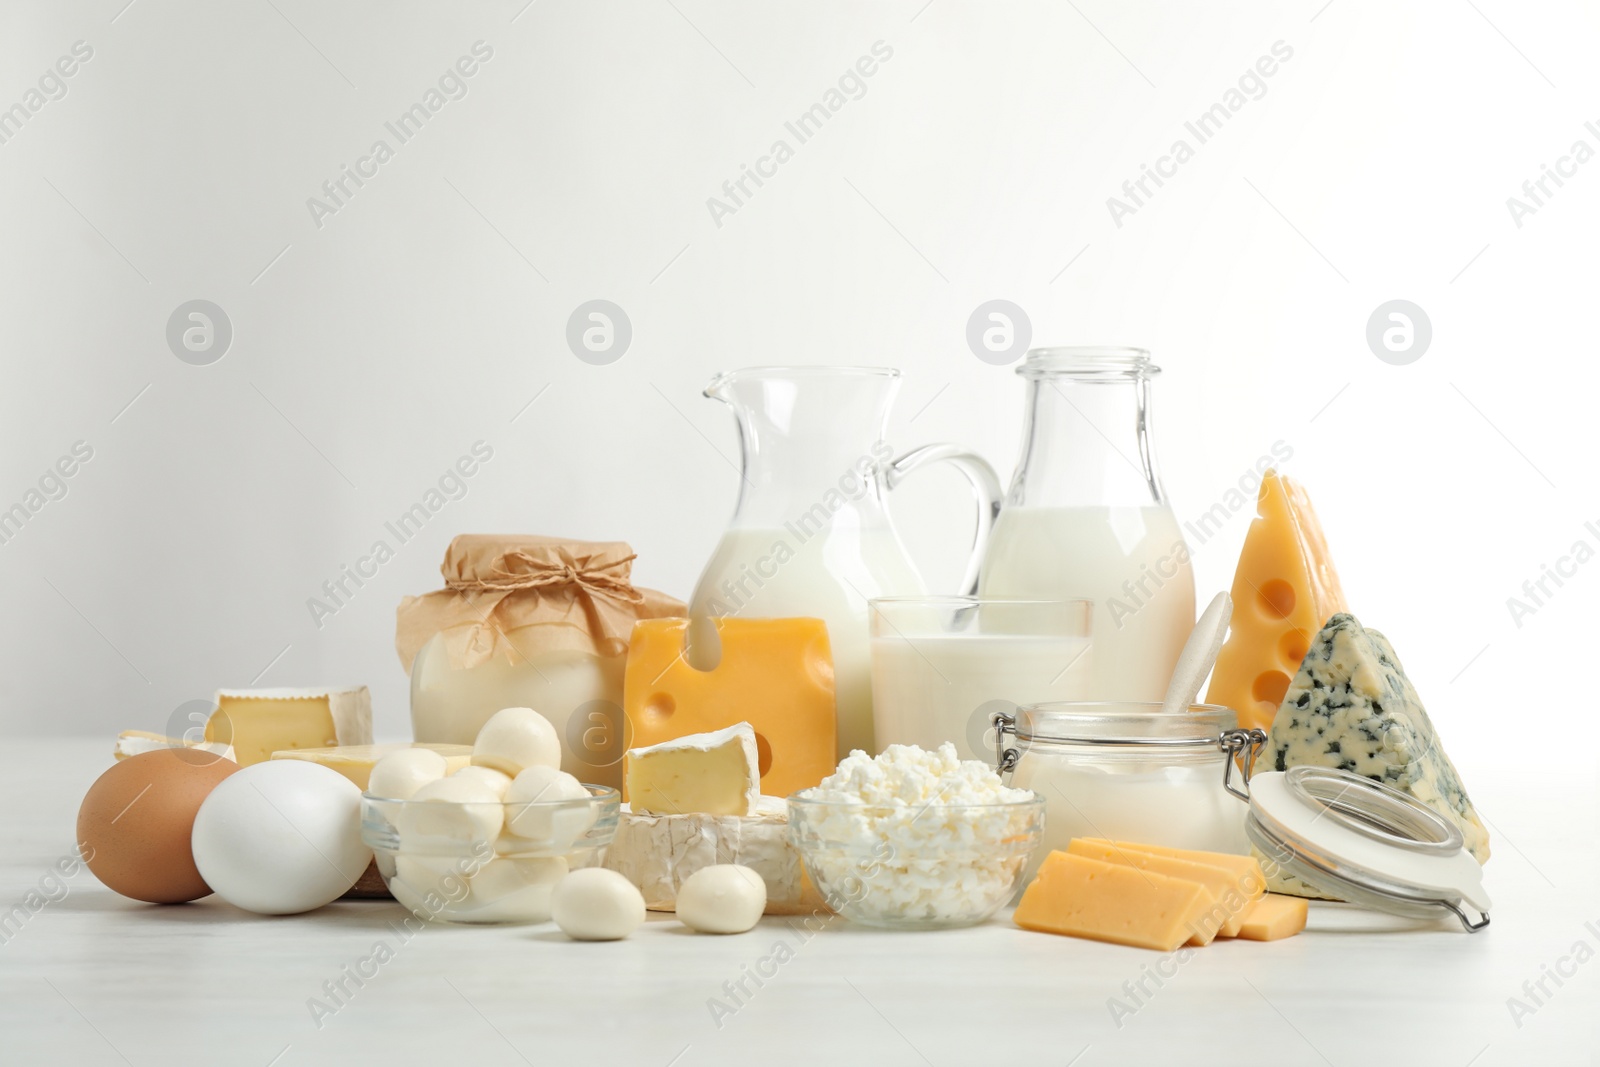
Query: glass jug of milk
(1086,517)
(810,535)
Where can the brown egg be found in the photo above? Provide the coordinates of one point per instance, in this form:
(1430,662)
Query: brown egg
(135,823)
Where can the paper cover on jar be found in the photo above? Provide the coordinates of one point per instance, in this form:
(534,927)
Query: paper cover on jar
(508,594)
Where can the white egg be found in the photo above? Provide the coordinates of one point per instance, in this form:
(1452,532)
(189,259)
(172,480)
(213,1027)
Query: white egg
(515,739)
(596,904)
(399,775)
(281,837)
(724,898)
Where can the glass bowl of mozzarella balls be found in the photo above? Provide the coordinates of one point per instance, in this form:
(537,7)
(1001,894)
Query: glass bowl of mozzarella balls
(486,842)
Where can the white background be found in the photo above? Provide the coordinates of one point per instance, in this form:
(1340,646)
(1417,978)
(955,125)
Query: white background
(370,353)
(427,313)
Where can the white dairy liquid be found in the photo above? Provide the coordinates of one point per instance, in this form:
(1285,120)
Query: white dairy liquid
(1177,804)
(781,573)
(1131,561)
(450,705)
(927,690)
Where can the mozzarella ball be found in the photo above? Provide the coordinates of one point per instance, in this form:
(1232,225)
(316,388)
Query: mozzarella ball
(430,904)
(446,876)
(534,809)
(544,783)
(516,890)
(494,779)
(722,899)
(515,739)
(449,814)
(399,775)
(281,837)
(596,904)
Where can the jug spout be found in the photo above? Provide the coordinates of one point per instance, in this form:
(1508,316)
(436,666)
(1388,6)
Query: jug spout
(750,383)
(802,428)
(720,388)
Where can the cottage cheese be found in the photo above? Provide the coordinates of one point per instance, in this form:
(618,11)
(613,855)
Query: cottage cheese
(917,836)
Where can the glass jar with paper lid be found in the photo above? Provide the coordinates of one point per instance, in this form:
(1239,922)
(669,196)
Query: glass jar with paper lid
(525,621)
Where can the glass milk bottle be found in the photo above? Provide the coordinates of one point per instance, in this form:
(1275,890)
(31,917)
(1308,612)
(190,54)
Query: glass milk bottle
(1086,517)
(811,535)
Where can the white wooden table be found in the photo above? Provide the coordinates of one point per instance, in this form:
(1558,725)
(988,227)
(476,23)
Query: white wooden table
(91,978)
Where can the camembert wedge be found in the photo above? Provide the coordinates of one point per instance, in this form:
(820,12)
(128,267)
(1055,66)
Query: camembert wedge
(716,773)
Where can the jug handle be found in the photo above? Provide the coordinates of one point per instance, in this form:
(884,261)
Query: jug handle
(985,486)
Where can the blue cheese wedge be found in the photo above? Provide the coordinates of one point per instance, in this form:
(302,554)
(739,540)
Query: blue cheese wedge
(1352,707)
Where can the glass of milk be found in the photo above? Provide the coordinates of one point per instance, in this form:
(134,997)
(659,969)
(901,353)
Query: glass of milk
(943,665)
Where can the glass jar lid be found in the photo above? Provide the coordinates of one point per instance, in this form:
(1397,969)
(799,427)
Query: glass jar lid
(1127,726)
(1123,722)
(1356,839)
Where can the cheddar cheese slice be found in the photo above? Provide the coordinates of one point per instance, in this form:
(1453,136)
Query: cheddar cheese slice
(1223,899)
(1273,917)
(1284,589)
(1085,897)
(1244,874)
(775,674)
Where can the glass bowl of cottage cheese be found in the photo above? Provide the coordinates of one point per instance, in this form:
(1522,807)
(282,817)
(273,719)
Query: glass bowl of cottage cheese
(915,840)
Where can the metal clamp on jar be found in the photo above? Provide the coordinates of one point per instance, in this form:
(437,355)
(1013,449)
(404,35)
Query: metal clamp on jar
(1128,771)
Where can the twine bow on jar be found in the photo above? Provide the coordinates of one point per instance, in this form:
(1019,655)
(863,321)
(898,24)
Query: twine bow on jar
(522,571)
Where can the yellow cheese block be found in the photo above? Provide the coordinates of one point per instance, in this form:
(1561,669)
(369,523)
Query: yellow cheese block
(1283,591)
(1273,917)
(775,674)
(355,762)
(1223,900)
(259,722)
(1086,897)
(1244,874)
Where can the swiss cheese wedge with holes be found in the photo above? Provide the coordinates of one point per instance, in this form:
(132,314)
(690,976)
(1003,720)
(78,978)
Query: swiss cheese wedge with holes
(775,674)
(1285,588)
